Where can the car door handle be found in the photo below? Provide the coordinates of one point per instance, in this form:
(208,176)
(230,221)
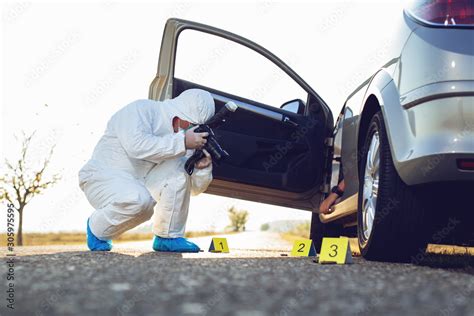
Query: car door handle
(289,122)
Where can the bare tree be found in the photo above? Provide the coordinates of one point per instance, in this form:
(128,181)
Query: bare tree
(21,181)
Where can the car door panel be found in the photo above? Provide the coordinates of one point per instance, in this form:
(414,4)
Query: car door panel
(264,150)
(276,156)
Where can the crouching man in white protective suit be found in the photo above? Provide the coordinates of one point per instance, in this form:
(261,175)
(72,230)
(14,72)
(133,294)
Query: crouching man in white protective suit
(137,170)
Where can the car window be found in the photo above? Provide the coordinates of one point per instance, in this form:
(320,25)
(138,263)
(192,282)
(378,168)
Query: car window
(226,66)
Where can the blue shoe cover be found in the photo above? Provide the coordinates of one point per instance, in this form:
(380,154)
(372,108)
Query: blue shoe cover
(174,245)
(95,244)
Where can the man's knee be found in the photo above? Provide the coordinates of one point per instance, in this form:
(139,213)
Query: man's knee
(145,204)
(137,203)
(170,175)
(178,183)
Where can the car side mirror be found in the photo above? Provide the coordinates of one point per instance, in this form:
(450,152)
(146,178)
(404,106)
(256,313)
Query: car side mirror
(294,106)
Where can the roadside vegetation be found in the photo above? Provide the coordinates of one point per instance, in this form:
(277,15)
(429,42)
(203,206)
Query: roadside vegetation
(298,232)
(77,238)
(238,219)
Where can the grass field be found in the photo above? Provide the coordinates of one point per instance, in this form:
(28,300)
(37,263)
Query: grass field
(42,239)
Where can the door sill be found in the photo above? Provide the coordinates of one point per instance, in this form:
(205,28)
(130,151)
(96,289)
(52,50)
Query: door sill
(258,194)
(341,210)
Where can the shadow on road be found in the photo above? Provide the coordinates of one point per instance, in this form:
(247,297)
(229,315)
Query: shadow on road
(455,263)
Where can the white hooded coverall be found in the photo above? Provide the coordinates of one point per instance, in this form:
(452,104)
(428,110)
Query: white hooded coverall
(137,167)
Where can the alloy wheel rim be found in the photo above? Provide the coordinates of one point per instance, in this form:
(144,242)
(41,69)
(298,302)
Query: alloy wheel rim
(371,185)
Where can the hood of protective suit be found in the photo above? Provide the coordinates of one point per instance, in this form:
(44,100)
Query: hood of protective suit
(194,105)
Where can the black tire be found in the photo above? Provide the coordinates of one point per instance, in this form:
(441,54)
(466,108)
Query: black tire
(400,228)
(320,230)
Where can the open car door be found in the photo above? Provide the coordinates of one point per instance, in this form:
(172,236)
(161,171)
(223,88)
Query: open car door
(279,154)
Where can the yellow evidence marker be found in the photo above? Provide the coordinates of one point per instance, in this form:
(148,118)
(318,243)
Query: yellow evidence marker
(219,245)
(303,248)
(335,250)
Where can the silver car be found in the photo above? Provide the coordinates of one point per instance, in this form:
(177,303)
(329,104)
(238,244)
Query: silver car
(403,142)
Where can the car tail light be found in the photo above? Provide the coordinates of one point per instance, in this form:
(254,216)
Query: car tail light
(466,164)
(448,13)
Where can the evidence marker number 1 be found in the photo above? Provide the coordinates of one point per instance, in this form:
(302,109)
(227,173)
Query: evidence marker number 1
(219,245)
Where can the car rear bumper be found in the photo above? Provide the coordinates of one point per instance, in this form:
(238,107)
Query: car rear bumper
(441,131)
(435,168)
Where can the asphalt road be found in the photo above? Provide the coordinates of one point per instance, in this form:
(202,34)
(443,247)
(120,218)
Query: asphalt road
(254,279)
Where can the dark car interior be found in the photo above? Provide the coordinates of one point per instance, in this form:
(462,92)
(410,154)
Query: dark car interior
(265,151)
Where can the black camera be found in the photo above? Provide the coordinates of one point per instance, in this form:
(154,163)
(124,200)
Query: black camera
(212,145)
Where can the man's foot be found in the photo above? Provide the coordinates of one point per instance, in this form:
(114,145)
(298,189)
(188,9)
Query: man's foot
(95,244)
(174,245)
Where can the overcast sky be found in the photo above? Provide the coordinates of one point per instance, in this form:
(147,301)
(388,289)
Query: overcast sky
(67,67)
